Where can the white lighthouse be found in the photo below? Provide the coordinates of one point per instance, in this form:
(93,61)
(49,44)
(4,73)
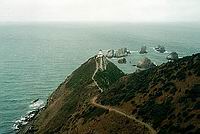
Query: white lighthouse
(101,61)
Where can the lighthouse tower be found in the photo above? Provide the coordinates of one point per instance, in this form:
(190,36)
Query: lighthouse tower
(101,61)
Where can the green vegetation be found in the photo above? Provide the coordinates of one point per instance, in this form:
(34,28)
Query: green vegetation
(125,91)
(154,112)
(167,96)
(93,112)
(166,101)
(109,76)
(82,75)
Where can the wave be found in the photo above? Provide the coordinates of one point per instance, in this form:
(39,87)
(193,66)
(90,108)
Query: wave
(35,107)
(134,51)
(166,52)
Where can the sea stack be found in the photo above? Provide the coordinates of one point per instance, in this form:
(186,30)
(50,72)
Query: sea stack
(160,49)
(145,63)
(110,53)
(172,56)
(122,61)
(143,50)
(122,52)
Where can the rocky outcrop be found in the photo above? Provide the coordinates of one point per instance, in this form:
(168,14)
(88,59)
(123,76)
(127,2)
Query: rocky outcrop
(110,53)
(145,63)
(160,49)
(143,50)
(122,61)
(122,52)
(172,56)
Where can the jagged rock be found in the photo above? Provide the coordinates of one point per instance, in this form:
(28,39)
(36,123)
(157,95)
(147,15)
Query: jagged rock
(122,52)
(172,56)
(35,100)
(122,61)
(145,63)
(160,49)
(143,50)
(110,53)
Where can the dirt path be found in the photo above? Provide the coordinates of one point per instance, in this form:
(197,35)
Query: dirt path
(93,102)
(94,79)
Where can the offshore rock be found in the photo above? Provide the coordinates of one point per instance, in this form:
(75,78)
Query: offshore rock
(143,50)
(110,53)
(122,52)
(122,61)
(172,56)
(160,49)
(145,63)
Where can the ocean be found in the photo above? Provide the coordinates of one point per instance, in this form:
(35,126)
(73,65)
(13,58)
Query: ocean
(36,57)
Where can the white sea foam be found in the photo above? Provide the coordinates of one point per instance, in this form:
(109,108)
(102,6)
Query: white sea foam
(133,51)
(37,105)
(167,52)
(34,107)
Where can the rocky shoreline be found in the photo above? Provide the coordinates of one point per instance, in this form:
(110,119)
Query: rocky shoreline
(36,106)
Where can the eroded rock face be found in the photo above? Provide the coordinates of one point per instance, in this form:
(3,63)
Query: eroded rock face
(172,56)
(145,63)
(160,49)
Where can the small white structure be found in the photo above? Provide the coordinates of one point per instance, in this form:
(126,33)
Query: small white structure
(100,54)
(101,61)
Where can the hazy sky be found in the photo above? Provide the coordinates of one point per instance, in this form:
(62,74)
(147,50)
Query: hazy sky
(100,10)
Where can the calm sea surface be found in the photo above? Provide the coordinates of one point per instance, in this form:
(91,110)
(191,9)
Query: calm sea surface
(36,58)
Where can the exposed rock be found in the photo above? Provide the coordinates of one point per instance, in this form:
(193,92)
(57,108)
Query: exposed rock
(110,53)
(35,100)
(172,56)
(143,50)
(145,63)
(122,61)
(160,49)
(122,52)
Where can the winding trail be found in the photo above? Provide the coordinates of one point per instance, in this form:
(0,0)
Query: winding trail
(94,79)
(93,102)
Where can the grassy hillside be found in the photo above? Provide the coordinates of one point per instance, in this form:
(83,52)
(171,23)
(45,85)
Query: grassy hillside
(109,76)
(168,96)
(69,109)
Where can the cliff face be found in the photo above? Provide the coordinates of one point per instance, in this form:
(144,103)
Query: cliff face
(165,98)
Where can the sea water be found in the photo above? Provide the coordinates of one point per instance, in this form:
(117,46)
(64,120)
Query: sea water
(36,57)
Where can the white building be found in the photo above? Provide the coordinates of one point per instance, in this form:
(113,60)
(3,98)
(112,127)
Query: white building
(101,61)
